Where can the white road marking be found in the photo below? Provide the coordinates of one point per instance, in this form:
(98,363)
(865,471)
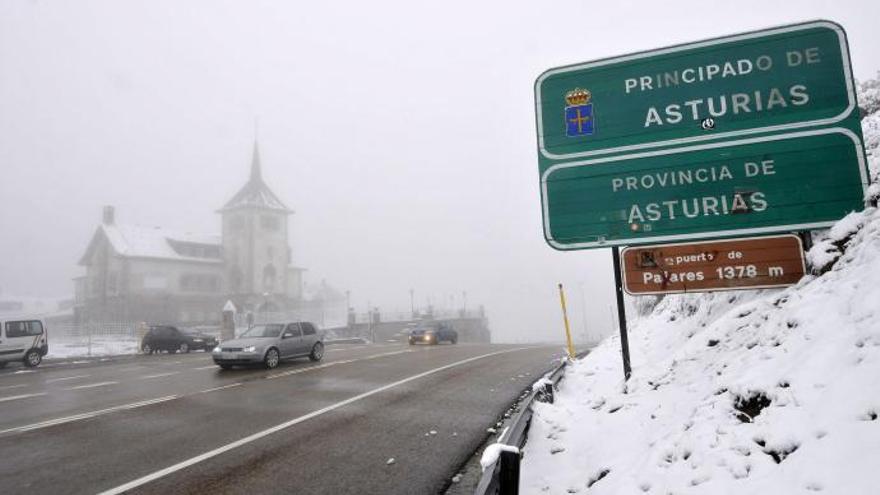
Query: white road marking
(65,378)
(159,375)
(219,388)
(256,436)
(92,414)
(332,363)
(347,348)
(25,396)
(21,372)
(212,367)
(7,387)
(92,385)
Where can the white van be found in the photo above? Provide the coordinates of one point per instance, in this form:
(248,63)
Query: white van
(23,340)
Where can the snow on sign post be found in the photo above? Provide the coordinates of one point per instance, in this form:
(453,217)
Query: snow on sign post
(760,262)
(748,134)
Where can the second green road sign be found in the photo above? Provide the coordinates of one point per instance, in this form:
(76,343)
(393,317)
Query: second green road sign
(747,134)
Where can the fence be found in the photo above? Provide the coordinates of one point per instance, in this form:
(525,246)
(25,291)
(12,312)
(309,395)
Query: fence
(93,339)
(102,338)
(391,316)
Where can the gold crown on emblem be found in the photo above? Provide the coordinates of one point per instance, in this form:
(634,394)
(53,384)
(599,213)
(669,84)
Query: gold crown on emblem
(578,96)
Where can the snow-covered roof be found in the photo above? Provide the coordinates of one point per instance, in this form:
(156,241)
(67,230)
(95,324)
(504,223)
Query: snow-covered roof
(255,194)
(135,241)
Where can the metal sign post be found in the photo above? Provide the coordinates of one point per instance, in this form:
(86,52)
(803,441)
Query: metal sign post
(621,313)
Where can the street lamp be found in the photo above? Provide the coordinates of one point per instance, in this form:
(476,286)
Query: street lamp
(412,303)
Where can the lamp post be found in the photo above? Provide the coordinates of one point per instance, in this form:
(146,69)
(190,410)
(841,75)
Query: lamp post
(265,307)
(412,303)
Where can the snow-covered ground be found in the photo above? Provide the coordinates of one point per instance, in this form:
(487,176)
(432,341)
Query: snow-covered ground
(114,345)
(771,391)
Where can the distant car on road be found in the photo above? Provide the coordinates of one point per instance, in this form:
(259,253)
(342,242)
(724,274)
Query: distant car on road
(23,340)
(171,339)
(433,333)
(269,343)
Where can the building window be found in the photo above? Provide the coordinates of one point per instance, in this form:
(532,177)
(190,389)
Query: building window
(236,223)
(155,282)
(112,283)
(198,282)
(269,278)
(269,222)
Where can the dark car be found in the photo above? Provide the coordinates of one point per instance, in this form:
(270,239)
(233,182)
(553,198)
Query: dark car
(172,339)
(433,333)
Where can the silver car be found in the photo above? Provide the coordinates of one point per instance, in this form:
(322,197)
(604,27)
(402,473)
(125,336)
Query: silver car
(269,343)
(23,340)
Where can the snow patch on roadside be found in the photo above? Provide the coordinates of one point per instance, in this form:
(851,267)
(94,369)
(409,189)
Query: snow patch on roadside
(768,391)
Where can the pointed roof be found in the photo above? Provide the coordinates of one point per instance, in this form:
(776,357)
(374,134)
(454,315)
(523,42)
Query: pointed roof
(256,194)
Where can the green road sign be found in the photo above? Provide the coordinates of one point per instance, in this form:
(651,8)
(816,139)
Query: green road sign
(796,181)
(779,79)
(663,117)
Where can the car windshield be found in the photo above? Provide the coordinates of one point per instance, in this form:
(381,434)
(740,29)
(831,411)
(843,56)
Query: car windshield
(421,330)
(263,331)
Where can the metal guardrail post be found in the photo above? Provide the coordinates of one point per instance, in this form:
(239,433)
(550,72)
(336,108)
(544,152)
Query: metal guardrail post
(548,393)
(508,478)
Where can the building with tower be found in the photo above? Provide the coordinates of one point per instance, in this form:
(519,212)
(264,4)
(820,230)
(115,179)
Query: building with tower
(152,274)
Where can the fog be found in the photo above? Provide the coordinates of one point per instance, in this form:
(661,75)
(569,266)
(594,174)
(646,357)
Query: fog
(401,134)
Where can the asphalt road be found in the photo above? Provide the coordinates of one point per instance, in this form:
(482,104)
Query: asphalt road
(177,424)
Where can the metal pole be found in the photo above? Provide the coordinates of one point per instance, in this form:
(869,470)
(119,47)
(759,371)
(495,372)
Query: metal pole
(621,313)
(565,320)
(807,239)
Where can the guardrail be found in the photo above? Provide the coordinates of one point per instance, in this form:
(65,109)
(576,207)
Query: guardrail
(501,477)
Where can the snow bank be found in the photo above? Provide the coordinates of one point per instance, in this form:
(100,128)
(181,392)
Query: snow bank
(741,392)
(67,347)
(770,391)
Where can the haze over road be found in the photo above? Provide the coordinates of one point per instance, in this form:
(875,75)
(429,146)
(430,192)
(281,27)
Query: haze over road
(176,423)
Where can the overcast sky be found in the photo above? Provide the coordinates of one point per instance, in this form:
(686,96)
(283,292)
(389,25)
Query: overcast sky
(401,133)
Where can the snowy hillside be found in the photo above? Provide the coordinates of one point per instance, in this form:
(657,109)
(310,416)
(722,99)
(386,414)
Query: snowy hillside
(746,392)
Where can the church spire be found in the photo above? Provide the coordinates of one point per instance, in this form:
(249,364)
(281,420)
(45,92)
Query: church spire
(256,175)
(255,193)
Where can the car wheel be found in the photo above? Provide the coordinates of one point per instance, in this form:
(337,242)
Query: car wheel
(33,358)
(184,348)
(147,349)
(271,359)
(317,352)
(454,340)
(225,366)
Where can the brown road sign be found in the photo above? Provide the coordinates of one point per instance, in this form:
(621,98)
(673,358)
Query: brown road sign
(749,263)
